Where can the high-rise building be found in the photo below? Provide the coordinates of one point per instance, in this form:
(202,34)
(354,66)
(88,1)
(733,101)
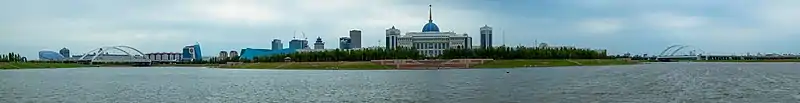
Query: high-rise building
(223,55)
(486,36)
(355,37)
(277,44)
(391,37)
(298,44)
(192,53)
(64,52)
(431,42)
(234,54)
(345,43)
(319,44)
(304,43)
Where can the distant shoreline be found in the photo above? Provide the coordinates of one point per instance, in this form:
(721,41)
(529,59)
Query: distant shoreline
(365,65)
(29,65)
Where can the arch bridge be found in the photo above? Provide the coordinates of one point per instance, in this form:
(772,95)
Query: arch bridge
(101,55)
(671,54)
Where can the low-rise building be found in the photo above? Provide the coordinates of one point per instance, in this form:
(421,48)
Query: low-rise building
(164,56)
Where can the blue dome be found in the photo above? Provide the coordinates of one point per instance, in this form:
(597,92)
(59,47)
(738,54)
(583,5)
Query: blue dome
(430,27)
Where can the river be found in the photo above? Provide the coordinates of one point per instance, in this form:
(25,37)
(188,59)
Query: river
(644,83)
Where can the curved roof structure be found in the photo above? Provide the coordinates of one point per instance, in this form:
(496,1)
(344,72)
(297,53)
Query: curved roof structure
(50,55)
(430,27)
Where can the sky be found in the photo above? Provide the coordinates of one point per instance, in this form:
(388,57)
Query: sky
(620,26)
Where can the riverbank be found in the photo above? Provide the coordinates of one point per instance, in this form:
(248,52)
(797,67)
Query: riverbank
(553,63)
(27,65)
(310,66)
(362,65)
(372,66)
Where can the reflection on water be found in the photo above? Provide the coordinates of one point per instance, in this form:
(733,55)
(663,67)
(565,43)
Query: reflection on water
(659,82)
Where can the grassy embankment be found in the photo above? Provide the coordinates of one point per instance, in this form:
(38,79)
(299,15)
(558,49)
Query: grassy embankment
(775,60)
(373,66)
(26,65)
(552,63)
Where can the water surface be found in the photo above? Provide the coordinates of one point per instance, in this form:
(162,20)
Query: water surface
(657,82)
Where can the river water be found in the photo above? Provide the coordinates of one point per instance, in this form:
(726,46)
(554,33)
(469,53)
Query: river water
(645,83)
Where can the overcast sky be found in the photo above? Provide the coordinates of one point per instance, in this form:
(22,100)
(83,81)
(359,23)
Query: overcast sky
(636,26)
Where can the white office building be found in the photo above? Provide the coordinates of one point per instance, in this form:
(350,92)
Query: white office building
(430,41)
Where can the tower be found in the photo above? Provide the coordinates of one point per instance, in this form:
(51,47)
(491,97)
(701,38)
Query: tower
(391,37)
(319,44)
(296,44)
(198,54)
(277,44)
(223,55)
(355,38)
(234,54)
(345,43)
(192,53)
(64,52)
(486,36)
(304,44)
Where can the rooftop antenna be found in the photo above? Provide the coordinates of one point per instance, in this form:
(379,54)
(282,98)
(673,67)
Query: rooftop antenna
(294,34)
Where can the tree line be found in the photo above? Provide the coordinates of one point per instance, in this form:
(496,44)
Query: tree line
(364,54)
(223,60)
(501,52)
(521,52)
(11,57)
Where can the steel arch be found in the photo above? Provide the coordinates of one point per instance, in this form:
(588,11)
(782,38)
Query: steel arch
(669,48)
(672,50)
(102,50)
(676,50)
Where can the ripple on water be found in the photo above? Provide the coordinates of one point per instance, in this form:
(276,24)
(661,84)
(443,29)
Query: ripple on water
(656,82)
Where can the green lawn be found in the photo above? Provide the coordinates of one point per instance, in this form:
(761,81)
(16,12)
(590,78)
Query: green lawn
(26,65)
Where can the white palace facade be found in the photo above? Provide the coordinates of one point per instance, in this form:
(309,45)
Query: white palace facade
(430,41)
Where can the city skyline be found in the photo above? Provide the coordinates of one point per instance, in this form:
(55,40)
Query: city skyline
(640,27)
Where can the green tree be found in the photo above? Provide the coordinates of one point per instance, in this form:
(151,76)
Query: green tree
(11,57)
(364,54)
(520,52)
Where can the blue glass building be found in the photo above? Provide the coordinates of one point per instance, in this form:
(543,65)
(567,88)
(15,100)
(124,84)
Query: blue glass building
(277,44)
(298,44)
(250,53)
(50,55)
(192,53)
